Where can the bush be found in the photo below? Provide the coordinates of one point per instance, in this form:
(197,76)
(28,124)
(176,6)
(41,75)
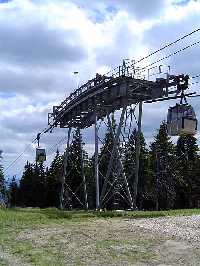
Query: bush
(109,214)
(53,213)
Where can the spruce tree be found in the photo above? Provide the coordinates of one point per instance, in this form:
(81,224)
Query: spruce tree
(188,166)
(129,160)
(13,192)
(104,158)
(90,181)
(75,194)
(129,167)
(32,186)
(162,159)
(3,192)
(53,181)
(2,180)
(39,188)
(26,186)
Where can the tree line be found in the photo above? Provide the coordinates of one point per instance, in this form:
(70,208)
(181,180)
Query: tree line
(169,175)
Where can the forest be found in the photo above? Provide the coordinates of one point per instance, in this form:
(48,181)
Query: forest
(169,175)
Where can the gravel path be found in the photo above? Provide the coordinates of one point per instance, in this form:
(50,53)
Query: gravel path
(165,241)
(182,227)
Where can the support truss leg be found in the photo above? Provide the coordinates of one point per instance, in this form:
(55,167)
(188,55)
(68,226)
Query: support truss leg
(64,170)
(96,163)
(121,170)
(84,181)
(113,153)
(137,154)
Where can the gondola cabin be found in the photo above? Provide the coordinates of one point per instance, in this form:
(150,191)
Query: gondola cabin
(40,155)
(181,119)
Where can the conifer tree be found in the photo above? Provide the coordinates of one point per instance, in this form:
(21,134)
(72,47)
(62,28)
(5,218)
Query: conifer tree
(130,159)
(3,191)
(162,158)
(129,167)
(26,186)
(188,186)
(53,181)
(90,181)
(75,194)
(38,182)
(2,181)
(32,186)
(13,192)
(104,158)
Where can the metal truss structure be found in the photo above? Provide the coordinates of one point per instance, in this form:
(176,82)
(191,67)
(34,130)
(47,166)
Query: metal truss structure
(95,101)
(70,196)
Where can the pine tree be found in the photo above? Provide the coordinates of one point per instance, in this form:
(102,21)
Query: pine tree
(32,186)
(13,192)
(104,158)
(2,180)
(90,181)
(188,188)
(26,186)
(53,181)
(129,160)
(162,158)
(38,182)
(3,192)
(129,167)
(75,194)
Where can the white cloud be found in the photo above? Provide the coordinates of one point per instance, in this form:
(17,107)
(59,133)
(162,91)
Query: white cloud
(44,42)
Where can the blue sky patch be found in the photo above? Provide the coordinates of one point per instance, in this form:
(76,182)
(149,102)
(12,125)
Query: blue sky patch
(4,1)
(181,2)
(4,95)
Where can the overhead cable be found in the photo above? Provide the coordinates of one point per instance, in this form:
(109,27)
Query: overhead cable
(18,157)
(167,45)
(172,54)
(21,154)
(197,76)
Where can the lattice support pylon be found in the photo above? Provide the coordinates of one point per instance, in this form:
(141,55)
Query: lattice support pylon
(65,160)
(115,181)
(68,194)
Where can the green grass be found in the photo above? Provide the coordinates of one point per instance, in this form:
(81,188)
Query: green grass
(3,262)
(15,221)
(126,250)
(147,214)
(23,217)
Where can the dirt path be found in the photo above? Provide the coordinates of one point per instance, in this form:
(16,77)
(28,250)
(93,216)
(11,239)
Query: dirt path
(159,241)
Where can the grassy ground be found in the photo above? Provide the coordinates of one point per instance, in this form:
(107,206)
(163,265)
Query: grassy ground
(46,237)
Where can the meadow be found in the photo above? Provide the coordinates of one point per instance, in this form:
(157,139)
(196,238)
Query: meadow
(33,236)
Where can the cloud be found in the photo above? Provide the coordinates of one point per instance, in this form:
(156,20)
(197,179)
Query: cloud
(169,30)
(43,42)
(142,9)
(139,9)
(43,84)
(36,45)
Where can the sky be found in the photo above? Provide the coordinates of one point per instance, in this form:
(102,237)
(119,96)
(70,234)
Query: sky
(42,43)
